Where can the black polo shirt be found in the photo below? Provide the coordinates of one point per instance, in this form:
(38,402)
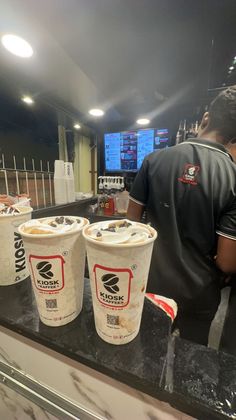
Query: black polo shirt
(190,196)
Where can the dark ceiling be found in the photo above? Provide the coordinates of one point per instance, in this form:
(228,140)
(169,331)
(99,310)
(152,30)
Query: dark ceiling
(132,57)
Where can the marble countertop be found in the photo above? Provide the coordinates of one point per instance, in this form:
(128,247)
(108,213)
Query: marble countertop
(192,378)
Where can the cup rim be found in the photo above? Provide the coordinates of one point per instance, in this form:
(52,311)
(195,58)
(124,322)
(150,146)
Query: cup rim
(127,245)
(29,210)
(51,235)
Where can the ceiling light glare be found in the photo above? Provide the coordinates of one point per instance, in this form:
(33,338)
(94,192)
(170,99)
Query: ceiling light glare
(143,121)
(17,45)
(77,126)
(95,112)
(231,68)
(28,100)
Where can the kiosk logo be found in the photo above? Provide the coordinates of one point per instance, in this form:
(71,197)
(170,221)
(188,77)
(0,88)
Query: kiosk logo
(110,282)
(44,268)
(112,285)
(190,174)
(47,272)
(19,253)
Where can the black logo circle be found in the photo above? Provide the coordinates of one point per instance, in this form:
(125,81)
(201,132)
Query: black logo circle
(110,282)
(44,268)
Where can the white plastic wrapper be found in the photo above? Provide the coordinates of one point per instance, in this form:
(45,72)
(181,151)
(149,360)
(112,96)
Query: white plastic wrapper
(169,306)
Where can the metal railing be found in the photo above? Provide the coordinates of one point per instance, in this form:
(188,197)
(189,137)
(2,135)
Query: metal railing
(22,179)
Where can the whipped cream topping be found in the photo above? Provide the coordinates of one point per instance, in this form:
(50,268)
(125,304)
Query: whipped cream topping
(119,232)
(53,225)
(12,210)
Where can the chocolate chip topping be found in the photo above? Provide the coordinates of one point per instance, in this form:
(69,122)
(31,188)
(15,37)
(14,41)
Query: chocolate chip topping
(69,221)
(59,220)
(99,235)
(52,224)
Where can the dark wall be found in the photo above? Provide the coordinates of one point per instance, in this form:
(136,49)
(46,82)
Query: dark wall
(27,131)
(22,143)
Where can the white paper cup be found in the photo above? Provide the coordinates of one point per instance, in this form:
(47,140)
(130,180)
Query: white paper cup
(59,168)
(12,253)
(56,264)
(118,310)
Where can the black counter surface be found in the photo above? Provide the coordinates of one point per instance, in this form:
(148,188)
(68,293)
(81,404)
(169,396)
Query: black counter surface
(192,378)
(76,208)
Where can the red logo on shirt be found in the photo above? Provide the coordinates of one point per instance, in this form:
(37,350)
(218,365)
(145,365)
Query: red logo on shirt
(190,174)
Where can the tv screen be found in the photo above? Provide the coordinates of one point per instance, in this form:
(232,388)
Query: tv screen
(126,150)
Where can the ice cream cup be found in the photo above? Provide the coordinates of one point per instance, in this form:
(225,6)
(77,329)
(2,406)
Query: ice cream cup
(12,252)
(56,262)
(118,277)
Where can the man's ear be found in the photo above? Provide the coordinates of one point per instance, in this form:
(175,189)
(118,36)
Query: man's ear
(205,121)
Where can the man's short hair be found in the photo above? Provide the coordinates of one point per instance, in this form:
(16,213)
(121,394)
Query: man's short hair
(222,113)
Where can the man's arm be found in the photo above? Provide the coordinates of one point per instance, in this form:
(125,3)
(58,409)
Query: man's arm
(135,211)
(226,254)
(226,246)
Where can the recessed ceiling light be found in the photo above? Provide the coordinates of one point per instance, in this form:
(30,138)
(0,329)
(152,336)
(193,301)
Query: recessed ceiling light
(143,121)
(28,100)
(17,45)
(231,68)
(96,112)
(77,126)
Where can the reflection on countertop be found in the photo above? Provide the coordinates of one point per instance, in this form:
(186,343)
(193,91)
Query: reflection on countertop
(192,378)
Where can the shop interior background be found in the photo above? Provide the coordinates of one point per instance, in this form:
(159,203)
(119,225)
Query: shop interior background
(158,58)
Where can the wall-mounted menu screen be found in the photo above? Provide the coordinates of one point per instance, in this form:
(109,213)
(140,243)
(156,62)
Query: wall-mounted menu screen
(126,150)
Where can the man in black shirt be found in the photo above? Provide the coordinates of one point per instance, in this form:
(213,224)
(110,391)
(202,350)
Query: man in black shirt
(228,338)
(189,194)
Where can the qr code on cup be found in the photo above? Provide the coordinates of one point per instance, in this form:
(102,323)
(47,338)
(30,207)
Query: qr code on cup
(51,303)
(112,319)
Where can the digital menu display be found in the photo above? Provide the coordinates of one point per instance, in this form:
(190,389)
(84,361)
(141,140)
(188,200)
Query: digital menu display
(126,150)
